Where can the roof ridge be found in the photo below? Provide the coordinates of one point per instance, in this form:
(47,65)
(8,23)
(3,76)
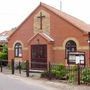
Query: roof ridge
(71,19)
(62,12)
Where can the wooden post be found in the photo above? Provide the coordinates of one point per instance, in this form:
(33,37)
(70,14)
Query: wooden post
(12,65)
(89,47)
(78,67)
(27,68)
(49,71)
(19,67)
(1,65)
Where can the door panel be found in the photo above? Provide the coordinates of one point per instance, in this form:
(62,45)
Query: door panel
(39,56)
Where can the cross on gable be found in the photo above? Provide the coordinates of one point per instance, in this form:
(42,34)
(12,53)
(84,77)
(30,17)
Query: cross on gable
(41,19)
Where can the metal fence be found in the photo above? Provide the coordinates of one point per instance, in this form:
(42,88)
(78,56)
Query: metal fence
(13,68)
(22,67)
(75,74)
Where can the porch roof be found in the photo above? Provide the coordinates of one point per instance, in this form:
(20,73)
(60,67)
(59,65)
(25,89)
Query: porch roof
(43,35)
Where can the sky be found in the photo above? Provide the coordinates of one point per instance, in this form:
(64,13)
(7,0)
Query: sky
(14,12)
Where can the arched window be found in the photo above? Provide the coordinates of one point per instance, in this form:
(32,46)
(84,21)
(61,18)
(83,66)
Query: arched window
(70,47)
(18,50)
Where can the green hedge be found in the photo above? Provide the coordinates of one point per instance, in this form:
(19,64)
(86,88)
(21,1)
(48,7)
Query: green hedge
(86,75)
(72,74)
(57,72)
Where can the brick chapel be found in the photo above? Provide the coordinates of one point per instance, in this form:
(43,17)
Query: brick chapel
(47,35)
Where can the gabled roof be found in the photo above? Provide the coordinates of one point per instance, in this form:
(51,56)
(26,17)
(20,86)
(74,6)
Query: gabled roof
(43,35)
(82,26)
(74,21)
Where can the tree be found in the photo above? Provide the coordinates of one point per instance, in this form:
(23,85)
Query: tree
(4,53)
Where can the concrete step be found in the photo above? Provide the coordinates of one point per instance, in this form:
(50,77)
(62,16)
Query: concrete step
(36,71)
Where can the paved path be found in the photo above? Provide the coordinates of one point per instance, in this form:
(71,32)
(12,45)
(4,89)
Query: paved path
(12,82)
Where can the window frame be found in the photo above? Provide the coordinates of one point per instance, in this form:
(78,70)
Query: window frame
(70,47)
(18,47)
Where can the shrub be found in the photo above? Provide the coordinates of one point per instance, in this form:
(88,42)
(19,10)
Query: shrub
(59,71)
(3,56)
(5,49)
(45,74)
(72,74)
(22,65)
(86,75)
(4,53)
(72,77)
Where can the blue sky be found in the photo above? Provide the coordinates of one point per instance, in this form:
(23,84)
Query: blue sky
(13,12)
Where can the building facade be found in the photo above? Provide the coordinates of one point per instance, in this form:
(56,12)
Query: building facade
(47,35)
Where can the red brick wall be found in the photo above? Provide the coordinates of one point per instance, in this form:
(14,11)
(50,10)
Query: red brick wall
(60,30)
